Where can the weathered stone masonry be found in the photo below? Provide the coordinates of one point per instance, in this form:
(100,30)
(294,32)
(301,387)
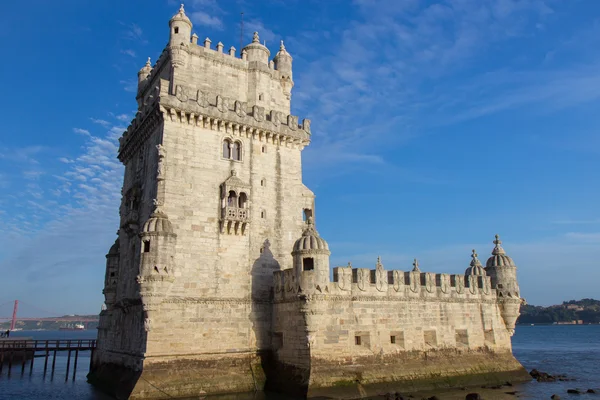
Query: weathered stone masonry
(218,281)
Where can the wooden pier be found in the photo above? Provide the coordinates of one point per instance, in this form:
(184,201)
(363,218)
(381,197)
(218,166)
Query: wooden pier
(20,353)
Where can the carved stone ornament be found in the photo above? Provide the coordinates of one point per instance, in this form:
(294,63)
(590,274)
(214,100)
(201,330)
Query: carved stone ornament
(292,122)
(222,104)
(379,283)
(415,281)
(147,324)
(429,282)
(398,280)
(344,279)
(181,93)
(202,99)
(460,284)
(240,109)
(278,288)
(160,172)
(444,283)
(306,125)
(275,118)
(472,284)
(258,113)
(487,285)
(362,278)
(290,282)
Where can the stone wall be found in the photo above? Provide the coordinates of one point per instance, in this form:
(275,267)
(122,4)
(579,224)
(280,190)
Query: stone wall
(374,327)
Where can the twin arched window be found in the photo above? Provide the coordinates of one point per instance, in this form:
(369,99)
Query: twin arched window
(232,150)
(233,200)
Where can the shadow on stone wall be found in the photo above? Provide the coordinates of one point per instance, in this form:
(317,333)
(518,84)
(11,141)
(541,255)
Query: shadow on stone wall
(261,307)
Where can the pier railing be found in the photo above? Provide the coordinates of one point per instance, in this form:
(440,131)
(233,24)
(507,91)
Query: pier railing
(15,351)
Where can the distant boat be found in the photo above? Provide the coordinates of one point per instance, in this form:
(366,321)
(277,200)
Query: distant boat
(76,327)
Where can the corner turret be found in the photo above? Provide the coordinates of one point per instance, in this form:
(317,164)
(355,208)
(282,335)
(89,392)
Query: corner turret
(181,28)
(143,75)
(311,259)
(256,51)
(156,265)
(503,273)
(111,275)
(283,64)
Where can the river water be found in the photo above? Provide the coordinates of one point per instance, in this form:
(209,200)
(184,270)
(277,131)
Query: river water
(570,350)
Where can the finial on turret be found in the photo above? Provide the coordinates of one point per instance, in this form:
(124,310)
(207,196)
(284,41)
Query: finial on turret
(498,248)
(379,265)
(181,10)
(309,221)
(416,266)
(282,46)
(148,63)
(474,260)
(255,38)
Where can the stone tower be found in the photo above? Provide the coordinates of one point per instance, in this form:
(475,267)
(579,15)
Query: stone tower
(212,204)
(503,271)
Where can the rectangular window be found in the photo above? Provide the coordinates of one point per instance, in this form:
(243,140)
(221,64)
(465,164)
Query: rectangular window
(430,338)
(146,246)
(397,339)
(357,340)
(462,337)
(308,264)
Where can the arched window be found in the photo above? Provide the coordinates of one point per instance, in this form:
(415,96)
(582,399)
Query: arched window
(237,151)
(226,149)
(232,199)
(242,200)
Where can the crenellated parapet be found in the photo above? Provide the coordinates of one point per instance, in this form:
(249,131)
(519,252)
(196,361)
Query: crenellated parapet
(217,113)
(351,283)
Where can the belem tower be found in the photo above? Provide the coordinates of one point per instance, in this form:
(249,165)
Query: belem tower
(219,282)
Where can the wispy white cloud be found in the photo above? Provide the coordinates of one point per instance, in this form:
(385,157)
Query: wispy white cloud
(123,117)
(133,32)
(128,52)
(80,131)
(205,19)
(102,122)
(129,85)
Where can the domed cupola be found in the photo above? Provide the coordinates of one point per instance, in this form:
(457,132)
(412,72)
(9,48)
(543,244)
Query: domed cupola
(475,268)
(157,223)
(310,241)
(311,259)
(499,257)
(256,51)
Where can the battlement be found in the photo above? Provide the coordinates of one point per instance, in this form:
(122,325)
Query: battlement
(387,284)
(218,113)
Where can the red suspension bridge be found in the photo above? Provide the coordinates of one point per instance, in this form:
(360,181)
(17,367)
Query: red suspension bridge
(15,308)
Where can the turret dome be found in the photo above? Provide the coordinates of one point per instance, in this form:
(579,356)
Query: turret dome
(158,222)
(256,51)
(499,257)
(310,240)
(180,16)
(282,51)
(475,268)
(114,249)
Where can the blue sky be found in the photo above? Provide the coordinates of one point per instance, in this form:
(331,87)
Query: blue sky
(436,124)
